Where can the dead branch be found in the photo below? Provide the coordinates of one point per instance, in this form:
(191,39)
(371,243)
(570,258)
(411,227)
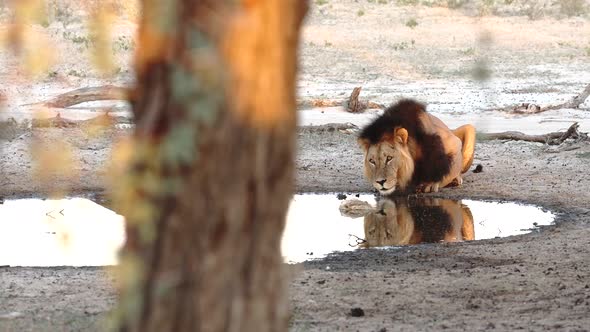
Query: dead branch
(54,122)
(554,138)
(576,101)
(530,108)
(78,96)
(518,136)
(104,120)
(319,103)
(572,132)
(347,128)
(352,104)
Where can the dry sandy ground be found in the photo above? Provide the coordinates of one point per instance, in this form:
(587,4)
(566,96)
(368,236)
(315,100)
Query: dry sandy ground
(532,282)
(538,281)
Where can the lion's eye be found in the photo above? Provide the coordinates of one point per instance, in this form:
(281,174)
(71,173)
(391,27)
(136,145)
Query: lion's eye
(389,158)
(372,161)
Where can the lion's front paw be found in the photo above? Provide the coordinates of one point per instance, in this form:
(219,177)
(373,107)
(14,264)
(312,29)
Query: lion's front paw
(430,187)
(434,187)
(457,182)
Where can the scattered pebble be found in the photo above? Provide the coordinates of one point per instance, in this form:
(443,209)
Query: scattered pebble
(478,169)
(341,196)
(10,315)
(357,312)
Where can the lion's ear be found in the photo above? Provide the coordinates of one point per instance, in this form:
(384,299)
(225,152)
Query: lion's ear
(401,135)
(363,143)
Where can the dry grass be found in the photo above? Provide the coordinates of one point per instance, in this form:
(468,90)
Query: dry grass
(534,9)
(573,7)
(73,11)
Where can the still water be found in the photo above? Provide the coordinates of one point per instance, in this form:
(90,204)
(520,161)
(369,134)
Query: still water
(79,232)
(320,224)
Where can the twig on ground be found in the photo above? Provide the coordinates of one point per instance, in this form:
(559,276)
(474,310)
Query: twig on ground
(358,240)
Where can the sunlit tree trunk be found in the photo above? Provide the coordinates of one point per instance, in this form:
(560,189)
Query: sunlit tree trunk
(207,192)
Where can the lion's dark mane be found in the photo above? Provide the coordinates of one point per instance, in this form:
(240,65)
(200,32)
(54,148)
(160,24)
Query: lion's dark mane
(434,163)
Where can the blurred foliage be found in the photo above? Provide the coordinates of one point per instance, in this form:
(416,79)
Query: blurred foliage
(25,38)
(573,7)
(54,160)
(481,69)
(411,23)
(100,34)
(25,41)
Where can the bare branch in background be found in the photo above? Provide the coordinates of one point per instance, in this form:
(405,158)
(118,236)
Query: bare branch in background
(83,95)
(530,108)
(554,138)
(352,104)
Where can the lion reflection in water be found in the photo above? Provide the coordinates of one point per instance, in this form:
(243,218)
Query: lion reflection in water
(404,221)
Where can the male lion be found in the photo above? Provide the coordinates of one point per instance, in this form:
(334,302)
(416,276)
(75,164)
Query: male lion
(424,220)
(407,148)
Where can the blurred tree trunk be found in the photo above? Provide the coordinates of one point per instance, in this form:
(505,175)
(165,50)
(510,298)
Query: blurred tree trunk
(211,177)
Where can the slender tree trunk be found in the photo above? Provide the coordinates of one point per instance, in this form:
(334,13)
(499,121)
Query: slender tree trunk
(209,186)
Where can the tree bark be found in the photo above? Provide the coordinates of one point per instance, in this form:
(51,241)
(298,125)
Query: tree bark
(209,184)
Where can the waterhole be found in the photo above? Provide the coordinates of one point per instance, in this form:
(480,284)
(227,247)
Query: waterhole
(79,232)
(320,224)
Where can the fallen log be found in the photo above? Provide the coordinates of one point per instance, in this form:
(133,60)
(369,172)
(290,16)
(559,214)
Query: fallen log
(319,103)
(554,138)
(82,95)
(531,108)
(352,104)
(104,120)
(112,92)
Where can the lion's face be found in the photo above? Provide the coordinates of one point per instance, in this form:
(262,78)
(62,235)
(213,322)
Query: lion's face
(390,224)
(388,164)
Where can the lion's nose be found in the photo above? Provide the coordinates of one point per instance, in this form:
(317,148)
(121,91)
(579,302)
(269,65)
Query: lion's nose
(381,182)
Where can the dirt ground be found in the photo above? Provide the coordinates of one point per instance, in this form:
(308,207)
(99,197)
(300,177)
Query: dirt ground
(533,282)
(537,281)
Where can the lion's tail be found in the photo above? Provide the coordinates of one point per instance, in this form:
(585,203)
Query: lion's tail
(466,134)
